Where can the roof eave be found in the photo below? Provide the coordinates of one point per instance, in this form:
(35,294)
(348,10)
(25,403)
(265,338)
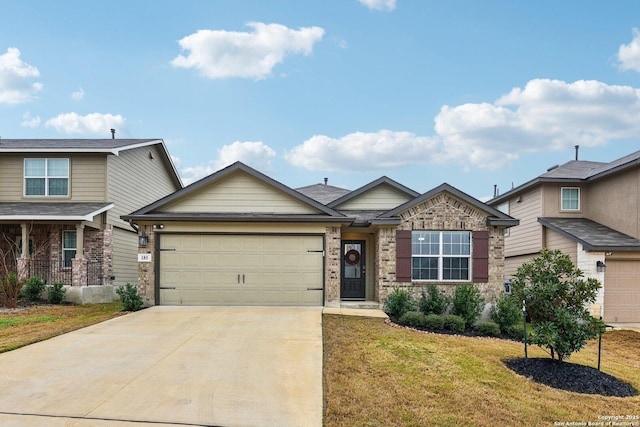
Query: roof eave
(502,222)
(87,217)
(237,218)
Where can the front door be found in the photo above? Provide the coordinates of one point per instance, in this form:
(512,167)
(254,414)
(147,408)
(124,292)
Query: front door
(353,270)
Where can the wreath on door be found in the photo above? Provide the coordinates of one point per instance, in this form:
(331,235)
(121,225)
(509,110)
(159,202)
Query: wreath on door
(352,257)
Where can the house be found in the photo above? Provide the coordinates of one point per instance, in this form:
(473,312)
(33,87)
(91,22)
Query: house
(239,237)
(65,198)
(589,210)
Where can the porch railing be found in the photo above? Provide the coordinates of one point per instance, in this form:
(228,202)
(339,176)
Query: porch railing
(57,271)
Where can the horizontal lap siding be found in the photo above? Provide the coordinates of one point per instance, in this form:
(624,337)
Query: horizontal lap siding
(125,256)
(383,197)
(527,237)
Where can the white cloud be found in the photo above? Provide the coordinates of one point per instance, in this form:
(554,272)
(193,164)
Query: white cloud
(95,123)
(221,54)
(15,74)
(256,154)
(544,115)
(384,5)
(629,54)
(30,122)
(78,95)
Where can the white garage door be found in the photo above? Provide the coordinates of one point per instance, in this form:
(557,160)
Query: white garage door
(200,269)
(622,291)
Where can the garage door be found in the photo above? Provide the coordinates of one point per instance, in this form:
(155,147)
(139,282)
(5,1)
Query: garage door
(622,291)
(241,270)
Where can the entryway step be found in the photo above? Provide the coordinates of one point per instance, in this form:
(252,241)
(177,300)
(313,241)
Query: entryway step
(361,305)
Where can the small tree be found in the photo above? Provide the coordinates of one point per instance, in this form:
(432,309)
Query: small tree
(433,301)
(399,302)
(467,303)
(556,296)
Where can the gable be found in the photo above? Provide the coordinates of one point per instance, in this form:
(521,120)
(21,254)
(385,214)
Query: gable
(239,192)
(444,212)
(381,197)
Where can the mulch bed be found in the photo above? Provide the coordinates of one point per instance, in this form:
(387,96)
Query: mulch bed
(571,377)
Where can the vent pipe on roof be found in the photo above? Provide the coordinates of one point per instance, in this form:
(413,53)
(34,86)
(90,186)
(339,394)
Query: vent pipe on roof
(495,190)
(326,180)
(577,149)
(113,134)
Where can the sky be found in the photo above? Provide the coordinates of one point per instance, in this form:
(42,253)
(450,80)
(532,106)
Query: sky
(471,93)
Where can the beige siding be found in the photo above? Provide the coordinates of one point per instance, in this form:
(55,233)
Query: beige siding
(87,177)
(240,193)
(551,200)
(558,241)
(616,202)
(382,197)
(512,264)
(125,256)
(136,180)
(525,238)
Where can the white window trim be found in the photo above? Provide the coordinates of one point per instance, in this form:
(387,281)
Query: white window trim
(562,198)
(441,256)
(45,177)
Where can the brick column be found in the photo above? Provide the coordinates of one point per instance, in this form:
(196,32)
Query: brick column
(78,272)
(332,267)
(107,252)
(146,270)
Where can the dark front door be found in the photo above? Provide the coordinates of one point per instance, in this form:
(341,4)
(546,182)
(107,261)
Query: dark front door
(353,270)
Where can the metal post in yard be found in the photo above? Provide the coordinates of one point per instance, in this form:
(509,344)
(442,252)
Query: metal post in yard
(599,343)
(524,320)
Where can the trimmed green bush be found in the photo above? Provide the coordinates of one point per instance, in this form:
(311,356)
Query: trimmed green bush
(55,293)
(33,289)
(413,318)
(491,329)
(467,303)
(506,312)
(516,331)
(434,322)
(399,302)
(453,323)
(131,300)
(433,301)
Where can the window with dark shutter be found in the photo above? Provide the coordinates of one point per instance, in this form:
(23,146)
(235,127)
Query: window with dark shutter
(403,255)
(480,256)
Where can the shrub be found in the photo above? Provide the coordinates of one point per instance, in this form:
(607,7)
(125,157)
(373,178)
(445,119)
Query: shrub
(516,331)
(453,323)
(33,289)
(131,300)
(413,318)
(487,328)
(557,297)
(433,301)
(506,312)
(434,322)
(10,290)
(55,293)
(467,303)
(399,302)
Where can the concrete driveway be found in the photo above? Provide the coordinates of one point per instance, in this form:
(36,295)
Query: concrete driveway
(218,366)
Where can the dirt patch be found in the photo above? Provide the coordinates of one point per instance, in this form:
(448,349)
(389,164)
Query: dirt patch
(571,377)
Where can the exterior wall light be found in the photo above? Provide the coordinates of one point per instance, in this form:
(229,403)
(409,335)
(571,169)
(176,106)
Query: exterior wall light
(507,286)
(143,240)
(601,267)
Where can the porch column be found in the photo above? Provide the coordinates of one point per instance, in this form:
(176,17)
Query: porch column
(22,263)
(79,241)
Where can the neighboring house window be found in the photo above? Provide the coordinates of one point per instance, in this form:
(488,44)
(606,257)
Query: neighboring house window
(570,199)
(46,177)
(68,247)
(441,255)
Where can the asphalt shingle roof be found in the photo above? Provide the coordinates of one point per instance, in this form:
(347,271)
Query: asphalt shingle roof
(592,235)
(67,144)
(323,193)
(55,210)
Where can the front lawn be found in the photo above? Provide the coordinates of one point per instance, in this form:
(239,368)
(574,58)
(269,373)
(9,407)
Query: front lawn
(36,323)
(379,375)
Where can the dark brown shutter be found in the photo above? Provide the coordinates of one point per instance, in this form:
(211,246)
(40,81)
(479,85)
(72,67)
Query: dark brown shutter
(403,255)
(480,256)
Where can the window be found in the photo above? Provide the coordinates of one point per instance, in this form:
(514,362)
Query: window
(570,199)
(46,177)
(68,247)
(440,255)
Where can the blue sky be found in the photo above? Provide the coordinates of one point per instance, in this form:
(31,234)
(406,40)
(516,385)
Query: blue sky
(465,92)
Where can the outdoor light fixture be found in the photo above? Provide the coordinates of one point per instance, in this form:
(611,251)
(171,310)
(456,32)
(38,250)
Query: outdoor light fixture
(507,286)
(143,240)
(601,267)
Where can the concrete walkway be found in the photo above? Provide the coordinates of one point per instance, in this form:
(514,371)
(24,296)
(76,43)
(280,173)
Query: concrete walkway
(220,366)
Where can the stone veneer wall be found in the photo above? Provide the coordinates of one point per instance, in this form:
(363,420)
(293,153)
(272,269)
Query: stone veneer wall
(146,272)
(332,267)
(442,212)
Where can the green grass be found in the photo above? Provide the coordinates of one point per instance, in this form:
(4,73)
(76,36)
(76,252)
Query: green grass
(379,375)
(29,325)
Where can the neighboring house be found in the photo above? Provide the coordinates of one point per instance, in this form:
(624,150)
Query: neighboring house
(240,237)
(65,198)
(589,210)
